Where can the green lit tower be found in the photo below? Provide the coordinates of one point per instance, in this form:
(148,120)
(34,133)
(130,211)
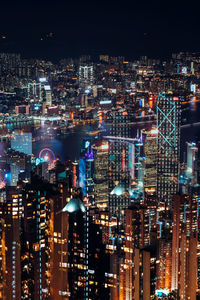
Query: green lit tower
(168,139)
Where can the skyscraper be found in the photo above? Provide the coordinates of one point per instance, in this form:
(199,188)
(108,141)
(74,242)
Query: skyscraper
(85,75)
(168,125)
(184,246)
(118,159)
(34,90)
(35,249)
(12,216)
(150,152)
(86,173)
(59,289)
(191,157)
(48,95)
(87,261)
(101,174)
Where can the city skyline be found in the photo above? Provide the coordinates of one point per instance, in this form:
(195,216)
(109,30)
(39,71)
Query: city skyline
(100,178)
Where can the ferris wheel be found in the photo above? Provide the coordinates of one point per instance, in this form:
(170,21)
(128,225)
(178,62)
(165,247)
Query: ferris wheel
(47,155)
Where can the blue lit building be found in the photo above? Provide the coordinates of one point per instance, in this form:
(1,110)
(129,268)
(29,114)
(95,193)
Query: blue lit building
(22,142)
(86,173)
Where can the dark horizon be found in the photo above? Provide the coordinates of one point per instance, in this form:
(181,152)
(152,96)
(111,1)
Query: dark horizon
(70,29)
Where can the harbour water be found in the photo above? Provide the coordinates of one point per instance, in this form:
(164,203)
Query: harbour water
(66,142)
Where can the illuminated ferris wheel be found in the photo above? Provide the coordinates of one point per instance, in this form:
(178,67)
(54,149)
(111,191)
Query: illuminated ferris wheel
(47,155)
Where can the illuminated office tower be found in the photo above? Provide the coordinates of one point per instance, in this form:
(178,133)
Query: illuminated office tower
(98,262)
(191,158)
(48,95)
(86,173)
(58,225)
(178,227)
(164,265)
(87,261)
(34,90)
(86,75)
(195,207)
(141,279)
(84,100)
(59,289)
(187,221)
(22,142)
(101,218)
(184,247)
(168,126)
(137,219)
(15,171)
(35,250)
(150,152)
(137,261)
(118,162)
(12,218)
(20,166)
(101,175)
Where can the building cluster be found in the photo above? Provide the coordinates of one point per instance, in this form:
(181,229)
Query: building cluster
(122,221)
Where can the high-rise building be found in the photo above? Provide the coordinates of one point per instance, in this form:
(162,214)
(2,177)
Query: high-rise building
(168,126)
(12,214)
(48,95)
(35,250)
(118,161)
(86,172)
(101,174)
(191,159)
(84,100)
(87,261)
(136,263)
(20,166)
(22,142)
(164,265)
(150,152)
(59,223)
(184,247)
(86,75)
(34,90)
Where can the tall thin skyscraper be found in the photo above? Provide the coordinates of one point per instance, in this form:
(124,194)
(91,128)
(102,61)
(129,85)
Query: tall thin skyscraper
(85,75)
(168,125)
(185,246)
(118,158)
(150,152)
(101,174)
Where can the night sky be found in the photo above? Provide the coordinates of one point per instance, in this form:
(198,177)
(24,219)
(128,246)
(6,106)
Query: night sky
(59,29)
